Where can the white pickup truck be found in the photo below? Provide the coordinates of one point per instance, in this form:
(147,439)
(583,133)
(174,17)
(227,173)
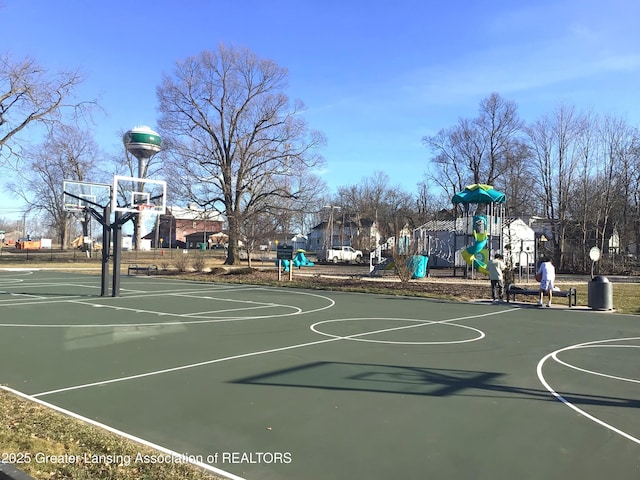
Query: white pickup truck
(340,254)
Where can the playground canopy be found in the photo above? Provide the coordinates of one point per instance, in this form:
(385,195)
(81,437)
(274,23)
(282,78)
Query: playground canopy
(479,193)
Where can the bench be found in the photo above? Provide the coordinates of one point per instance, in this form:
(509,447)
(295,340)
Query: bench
(148,269)
(571,294)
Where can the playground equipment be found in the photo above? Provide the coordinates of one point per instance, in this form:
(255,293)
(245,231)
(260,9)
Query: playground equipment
(486,222)
(477,255)
(417,265)
(299,260)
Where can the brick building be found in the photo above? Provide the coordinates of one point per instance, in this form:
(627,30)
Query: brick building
(172,229)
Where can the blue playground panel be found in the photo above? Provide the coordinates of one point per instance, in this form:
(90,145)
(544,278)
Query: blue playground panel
(300,260)
(418,264)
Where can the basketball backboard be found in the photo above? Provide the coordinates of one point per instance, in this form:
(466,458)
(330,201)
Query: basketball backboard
(131,194)
(78,195)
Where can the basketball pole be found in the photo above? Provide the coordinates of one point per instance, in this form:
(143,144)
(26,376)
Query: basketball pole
(106,247)
(117,243)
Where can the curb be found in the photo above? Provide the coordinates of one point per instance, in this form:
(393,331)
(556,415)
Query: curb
(9,472)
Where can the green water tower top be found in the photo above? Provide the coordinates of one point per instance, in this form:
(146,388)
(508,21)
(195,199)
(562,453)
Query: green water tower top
(142,142)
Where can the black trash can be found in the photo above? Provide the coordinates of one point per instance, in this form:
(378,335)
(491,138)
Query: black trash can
(600,293)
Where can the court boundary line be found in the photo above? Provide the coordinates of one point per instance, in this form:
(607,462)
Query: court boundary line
(183,457)
(193,318)
(567,403)
(262,352)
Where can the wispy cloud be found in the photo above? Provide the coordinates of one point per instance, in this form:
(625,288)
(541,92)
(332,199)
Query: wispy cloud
(515,69)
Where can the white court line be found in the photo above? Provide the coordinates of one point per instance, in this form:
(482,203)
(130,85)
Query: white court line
(184,458)
(127,295)
(11,281)
(262,352)
(593,372)
(184,367)
(417,323)
(296,310)
(98,303)
(45,301)
(25,295)
(48,284)
(188,315)
(566,402)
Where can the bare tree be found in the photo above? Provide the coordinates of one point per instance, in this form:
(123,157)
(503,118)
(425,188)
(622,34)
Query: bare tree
(515,181)
(29,94)
(633,197)
(447,167)
(556,150)
(479,150)
(258,230)
(587,203)
(400,215)
(391,207)
(614,176)
(66,154)
(500,127)
(429,202)
(234,137)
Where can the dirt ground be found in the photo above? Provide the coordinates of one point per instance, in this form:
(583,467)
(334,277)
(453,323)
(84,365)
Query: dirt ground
(436,286)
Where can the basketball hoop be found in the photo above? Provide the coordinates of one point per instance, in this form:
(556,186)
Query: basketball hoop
(145,207)
(146,210)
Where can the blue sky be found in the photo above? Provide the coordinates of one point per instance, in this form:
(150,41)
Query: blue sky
(375,76)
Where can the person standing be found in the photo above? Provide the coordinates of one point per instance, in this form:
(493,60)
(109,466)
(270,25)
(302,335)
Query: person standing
(495,268)
(547,274)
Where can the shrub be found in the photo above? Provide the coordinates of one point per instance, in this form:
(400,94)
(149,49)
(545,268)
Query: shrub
(403,267)
(199,263)
(182,262)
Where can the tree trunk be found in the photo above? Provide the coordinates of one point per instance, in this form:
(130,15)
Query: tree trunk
(234,237)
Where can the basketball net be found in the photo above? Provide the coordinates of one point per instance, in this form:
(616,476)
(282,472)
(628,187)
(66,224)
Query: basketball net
(146,210)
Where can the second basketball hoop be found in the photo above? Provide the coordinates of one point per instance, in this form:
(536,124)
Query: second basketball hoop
(139,195)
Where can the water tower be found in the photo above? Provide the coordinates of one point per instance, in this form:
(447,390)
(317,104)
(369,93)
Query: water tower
(143,143)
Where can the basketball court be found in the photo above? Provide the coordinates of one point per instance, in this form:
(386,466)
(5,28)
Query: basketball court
(257,382)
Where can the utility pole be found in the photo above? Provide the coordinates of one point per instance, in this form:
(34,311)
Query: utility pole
(331,209)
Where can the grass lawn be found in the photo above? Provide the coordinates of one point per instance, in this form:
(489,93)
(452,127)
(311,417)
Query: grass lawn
(49,445)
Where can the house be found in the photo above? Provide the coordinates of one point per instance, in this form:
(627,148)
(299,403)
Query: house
(519,242)
(171,229)
(362,234)
(299,242)
(210,240)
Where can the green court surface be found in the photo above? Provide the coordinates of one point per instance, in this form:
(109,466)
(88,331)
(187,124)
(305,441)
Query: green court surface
(279,383)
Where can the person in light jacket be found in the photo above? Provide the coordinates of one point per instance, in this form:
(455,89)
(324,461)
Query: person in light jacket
(496,267)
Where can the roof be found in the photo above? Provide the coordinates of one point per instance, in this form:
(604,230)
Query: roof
(479,193)
(449,225)
(349,223)
(190,213)
(439,226)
